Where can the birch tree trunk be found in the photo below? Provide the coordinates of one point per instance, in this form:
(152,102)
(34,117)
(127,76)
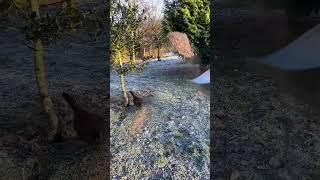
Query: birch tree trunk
(42,82)
(133,57)
(123,87)
(144,52)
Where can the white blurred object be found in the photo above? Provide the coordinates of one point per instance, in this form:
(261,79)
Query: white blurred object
(204,78)
(295,68)
(301,54)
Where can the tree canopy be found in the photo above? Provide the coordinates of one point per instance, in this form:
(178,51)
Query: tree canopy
(193,18)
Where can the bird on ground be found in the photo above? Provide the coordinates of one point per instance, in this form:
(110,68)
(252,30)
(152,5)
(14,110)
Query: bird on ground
(296,67)
(90,127)
(137,100)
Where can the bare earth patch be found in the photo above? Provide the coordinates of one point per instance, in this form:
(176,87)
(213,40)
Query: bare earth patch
(139,119)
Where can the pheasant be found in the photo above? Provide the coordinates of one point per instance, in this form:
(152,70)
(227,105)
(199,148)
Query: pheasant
(90,127)
(137,100)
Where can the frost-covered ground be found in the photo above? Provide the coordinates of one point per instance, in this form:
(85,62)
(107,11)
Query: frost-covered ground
(169,136)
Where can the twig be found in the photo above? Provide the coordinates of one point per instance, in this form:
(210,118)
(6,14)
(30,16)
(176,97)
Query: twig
(28,46)
(10,27)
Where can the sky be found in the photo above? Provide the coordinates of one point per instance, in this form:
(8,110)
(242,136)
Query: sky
(159,4)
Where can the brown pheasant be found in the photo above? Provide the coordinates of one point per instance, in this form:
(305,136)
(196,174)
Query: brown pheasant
(137,100)
(90,127)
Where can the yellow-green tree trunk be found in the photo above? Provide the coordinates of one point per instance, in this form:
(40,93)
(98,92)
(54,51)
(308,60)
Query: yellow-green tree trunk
(133,57)
(123,87)
(42,81)
(144,52)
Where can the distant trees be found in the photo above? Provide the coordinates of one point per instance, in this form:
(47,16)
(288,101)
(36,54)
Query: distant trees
(193,18)
(181,43)
(154,35)
(133,17)
(159,36)
(147,37)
